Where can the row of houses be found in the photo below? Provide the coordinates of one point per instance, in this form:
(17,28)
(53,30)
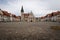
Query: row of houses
(28,17)
(7,17)
(54,16)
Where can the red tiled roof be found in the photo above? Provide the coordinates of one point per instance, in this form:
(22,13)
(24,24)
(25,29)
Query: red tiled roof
(26,15)
(6,13)
(42,17)
(19,17)
(13,15)
(49,15)
(56,13)
(46,15)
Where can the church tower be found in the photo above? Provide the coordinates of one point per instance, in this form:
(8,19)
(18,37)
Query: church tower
(22,12)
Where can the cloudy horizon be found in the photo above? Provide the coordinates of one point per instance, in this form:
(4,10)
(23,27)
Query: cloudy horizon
(38,7)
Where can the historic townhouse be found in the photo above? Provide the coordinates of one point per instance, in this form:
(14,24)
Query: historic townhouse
(6,16)
(48,17)
(1,16)
(15,18)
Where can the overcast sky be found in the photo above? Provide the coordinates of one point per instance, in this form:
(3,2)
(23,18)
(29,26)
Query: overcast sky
(38,7)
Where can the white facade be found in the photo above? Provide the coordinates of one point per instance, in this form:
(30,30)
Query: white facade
(58,18)
(48,19)
(1,16)
(5,18)
(54,18)
(11,18)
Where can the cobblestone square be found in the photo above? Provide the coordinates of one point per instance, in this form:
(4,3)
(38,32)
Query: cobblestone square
(29,31)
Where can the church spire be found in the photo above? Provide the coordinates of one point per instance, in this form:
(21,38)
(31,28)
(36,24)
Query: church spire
(22,10)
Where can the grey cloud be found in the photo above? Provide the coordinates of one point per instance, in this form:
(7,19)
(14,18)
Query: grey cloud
(37,7)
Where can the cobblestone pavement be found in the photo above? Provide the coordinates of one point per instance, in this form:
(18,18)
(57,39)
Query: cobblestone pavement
(29,31)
